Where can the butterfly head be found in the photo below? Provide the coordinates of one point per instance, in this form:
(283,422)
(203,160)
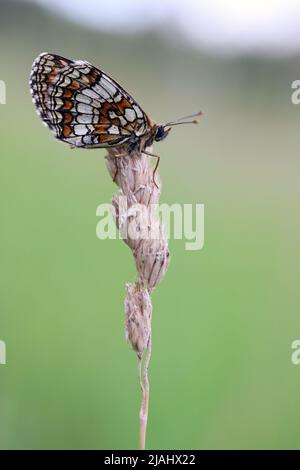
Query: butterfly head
(161,133)
(162,130)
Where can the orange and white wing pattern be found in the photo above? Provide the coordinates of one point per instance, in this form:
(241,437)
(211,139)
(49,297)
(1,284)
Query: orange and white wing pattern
(82,105)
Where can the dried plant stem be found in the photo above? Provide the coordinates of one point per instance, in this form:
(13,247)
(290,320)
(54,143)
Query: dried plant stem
(135,216)
(144,383)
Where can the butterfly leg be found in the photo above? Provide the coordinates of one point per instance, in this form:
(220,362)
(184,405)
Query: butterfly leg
(117,166)
(115,175)
(156,166)
(116,172)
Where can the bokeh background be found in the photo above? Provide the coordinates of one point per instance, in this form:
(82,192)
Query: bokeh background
(224,317)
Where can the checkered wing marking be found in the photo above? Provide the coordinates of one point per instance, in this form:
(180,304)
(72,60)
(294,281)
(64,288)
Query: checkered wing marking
(82,105)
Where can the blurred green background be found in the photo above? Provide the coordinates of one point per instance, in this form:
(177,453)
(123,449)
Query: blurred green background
(224,317)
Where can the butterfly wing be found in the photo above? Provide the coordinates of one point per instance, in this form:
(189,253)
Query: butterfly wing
(82,105)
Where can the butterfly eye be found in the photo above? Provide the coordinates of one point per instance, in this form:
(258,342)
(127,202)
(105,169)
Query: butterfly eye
(161,133)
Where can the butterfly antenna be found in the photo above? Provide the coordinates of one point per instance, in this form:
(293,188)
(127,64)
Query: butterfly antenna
(182,120)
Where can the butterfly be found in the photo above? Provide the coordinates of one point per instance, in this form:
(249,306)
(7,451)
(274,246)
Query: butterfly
(86,108)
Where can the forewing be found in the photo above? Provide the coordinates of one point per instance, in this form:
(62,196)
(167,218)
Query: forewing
(82,105)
